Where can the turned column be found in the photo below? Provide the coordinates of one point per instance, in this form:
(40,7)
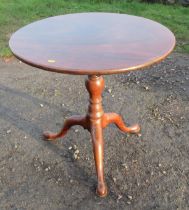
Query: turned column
(95,86)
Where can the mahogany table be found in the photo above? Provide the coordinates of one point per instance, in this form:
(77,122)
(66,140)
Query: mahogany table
(93,44)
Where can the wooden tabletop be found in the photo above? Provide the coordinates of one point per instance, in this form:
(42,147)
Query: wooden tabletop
(92,43)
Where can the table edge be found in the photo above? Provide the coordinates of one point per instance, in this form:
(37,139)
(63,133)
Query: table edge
(97,72)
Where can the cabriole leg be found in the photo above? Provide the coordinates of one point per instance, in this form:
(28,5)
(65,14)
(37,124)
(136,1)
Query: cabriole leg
(95,86)
(74,120)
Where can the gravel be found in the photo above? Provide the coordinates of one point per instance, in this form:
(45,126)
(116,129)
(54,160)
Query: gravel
(145,172)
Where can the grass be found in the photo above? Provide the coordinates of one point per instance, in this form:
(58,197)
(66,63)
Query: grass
(17,13)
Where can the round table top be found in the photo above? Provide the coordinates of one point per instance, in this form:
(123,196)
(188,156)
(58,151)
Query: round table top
(92,43)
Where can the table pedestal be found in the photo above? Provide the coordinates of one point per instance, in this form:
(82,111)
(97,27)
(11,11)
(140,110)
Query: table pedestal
(95,121)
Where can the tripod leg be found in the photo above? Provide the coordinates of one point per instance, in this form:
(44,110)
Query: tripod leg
(74,120)
(98,150)
(117,120)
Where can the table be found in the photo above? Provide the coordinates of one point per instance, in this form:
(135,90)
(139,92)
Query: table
(93,44)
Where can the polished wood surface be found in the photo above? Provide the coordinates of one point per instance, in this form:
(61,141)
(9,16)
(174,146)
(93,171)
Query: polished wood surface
(95,121)
(92,43)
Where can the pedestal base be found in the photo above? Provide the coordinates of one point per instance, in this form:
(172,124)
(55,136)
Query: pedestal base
(95,121)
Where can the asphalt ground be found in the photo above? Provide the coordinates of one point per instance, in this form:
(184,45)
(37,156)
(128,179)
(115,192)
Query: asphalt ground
(149,171)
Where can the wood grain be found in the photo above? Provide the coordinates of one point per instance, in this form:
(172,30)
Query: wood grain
(92,43)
